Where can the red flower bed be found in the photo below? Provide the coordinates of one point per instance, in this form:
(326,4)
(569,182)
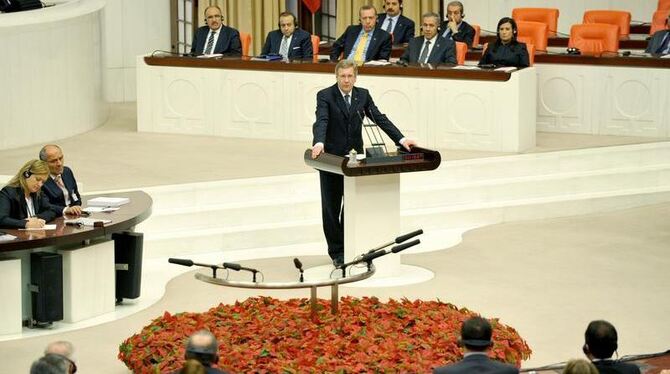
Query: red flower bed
(266,335)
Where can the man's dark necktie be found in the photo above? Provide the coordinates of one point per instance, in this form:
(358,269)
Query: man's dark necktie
(210,43)
(424,53)
(389,26)
(347,100)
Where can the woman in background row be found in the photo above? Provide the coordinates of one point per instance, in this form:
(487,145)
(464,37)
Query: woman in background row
(22,204)
(506,50)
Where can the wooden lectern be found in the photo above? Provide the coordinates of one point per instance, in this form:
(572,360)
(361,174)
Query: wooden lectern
(372,198)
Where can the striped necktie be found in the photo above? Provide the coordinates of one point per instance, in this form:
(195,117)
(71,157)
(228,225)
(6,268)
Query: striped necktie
(359,55)
(210,43)
(283,49)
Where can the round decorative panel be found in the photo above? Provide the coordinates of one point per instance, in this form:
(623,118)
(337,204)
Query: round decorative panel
(558,95)
(632,99)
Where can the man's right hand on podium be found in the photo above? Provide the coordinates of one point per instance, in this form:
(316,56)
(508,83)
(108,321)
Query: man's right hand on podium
(317,149)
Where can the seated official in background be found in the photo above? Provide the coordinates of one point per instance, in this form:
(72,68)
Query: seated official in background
(431,47)
(50,364)
(22,204)
(506,50)
(600,343)
(216,37)
(659,44)
(363,42)
(394,23)
(454,28)
(289,41)
(203,348)
(60,187)
(476,340)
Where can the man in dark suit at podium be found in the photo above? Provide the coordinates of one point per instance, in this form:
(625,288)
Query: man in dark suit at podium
(340,109)
(216,37)
(363,42)
(431,47)
(289,41)
(61,186)
(394,23)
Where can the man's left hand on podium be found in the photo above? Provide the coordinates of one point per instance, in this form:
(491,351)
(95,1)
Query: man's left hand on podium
(408,144)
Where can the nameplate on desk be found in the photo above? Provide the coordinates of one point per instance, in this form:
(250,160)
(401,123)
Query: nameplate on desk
(267,58)
(112,202)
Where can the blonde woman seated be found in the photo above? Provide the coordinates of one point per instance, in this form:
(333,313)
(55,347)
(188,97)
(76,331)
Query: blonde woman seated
(22,204)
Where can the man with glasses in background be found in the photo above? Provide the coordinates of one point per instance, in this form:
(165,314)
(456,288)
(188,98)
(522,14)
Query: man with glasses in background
(216,38)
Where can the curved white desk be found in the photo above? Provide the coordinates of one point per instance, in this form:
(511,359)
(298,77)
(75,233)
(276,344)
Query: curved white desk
(50,73)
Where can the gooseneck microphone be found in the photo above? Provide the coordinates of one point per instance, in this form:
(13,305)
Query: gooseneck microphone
(398,240)
(189,263)
(298,265)
(238,267)
(368,257)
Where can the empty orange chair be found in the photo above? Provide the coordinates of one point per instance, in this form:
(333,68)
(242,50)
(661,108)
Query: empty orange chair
(534,33)
(548,16)
(316,41)
(663,5)
(245,38)
(478,30)
(594,38)
(461,51)
(658,21)
(530,47)
(618,18)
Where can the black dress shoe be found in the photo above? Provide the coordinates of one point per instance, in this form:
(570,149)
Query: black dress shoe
(338,261)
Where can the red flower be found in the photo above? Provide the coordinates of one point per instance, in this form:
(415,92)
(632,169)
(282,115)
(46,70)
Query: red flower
(267,335)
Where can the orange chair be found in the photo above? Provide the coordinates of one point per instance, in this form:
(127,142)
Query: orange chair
(594,38)
(534,33)
(663,5)
(478,31)
(316,41)
(548,16)
(613,17)
(461,51)
(245,38)
(658,21)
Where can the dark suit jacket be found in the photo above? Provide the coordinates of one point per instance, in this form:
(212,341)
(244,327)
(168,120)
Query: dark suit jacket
(513,54)
(443,51)
(13,211)
(54,193)
(615,367)
(340,129)
(378,49)
(300,48)
(656,40)
(229,41)
(465,34)
(403,31)
(475,364)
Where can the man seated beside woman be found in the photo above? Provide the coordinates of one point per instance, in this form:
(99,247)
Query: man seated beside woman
(22,204)
(506,50)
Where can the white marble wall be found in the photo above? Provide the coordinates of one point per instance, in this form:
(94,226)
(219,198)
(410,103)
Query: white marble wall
(131,28)
(486,13)
(50,73)
(439,113)
(603,100)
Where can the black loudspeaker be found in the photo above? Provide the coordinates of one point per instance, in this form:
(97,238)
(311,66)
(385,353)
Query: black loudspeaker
(128,259)
(46,278)
(8,6)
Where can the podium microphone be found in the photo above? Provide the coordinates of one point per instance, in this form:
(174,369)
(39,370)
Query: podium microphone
(189,263)
(398,240)
(368,257)
(238,267)
(298,265)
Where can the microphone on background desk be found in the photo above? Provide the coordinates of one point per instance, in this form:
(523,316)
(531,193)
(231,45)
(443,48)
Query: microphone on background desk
(298,266)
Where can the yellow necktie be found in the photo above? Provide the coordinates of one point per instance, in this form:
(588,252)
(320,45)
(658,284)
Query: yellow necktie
(358,56)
